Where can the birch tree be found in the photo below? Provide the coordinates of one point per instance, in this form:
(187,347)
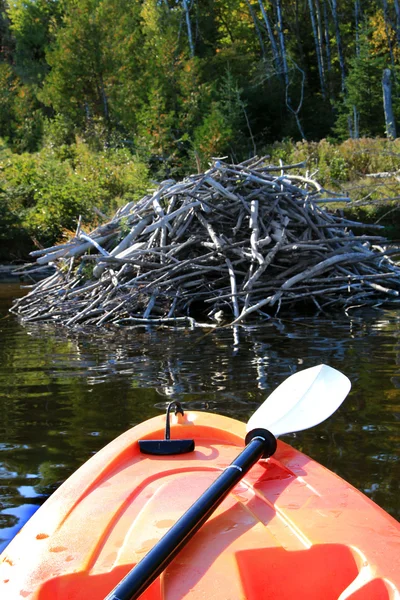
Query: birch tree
(274,48)
(357,14)
(282,43)
(317,47)
(357,11)
(327,38)
(188,27)
(320,34)
(295,111)
(387,104)
(256,27)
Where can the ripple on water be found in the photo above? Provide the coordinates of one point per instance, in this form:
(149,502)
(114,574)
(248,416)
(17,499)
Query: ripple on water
(63,395)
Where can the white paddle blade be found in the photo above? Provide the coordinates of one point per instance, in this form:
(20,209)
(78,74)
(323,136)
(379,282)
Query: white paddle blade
(303,400)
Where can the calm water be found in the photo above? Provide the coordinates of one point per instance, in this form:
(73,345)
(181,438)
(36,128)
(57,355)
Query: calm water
(63,396)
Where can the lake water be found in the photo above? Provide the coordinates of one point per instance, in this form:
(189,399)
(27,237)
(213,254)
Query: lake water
(64,395)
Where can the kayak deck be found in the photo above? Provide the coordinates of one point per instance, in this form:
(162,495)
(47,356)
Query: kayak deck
(290,528)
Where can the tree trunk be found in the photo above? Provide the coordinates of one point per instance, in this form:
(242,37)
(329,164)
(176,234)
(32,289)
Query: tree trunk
(275,53)
(295,111)
(320,34)
(104,100)
(258,32)
(387,104)
(282,43)
(327,39)
(357,25)
(189,27)
(356,123)
(350,126)
(317,47)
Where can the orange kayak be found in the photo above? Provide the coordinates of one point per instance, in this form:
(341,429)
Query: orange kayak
(290,528)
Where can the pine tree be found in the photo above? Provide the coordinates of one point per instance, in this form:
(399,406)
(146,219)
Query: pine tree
(32,24)
(364,85)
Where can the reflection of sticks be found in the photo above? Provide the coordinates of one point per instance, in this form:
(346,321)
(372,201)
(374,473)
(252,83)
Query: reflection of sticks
(250,236)
(232,277)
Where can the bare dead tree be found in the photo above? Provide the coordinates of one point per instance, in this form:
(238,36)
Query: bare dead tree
(282,43)
(295,111)
(284,62)
(320,34)
(356,122)
(243,107)
(350,126)
(256,27)
(274,48)
(357,14)
(387,104)
(317,47)
(189,27)
(327,38)
(104,99)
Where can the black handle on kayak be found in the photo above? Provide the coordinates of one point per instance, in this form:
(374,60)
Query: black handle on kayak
(260,443)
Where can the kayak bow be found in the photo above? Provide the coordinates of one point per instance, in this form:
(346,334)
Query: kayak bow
(296,404)
(289,529)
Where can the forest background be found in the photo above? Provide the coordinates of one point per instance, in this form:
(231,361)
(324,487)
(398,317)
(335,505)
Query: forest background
(101,99)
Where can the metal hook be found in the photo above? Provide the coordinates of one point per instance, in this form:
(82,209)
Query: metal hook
(178,410)
(168,446)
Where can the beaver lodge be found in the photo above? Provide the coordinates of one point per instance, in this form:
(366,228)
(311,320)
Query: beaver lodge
(236,242)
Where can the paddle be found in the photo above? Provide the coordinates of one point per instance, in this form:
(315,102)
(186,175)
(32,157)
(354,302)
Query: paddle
(301,401)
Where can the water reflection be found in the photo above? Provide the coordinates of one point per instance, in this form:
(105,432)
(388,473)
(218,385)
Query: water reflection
(64,395)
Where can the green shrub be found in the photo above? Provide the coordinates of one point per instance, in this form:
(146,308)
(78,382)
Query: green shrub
(334,164)
(44,195)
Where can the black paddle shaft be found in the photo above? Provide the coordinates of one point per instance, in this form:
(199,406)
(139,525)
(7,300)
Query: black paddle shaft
(260,443)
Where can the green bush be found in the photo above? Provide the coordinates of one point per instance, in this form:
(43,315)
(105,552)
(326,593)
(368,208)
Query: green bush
(334,164)
(44,195)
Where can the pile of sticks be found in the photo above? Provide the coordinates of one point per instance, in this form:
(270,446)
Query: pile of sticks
(235,241)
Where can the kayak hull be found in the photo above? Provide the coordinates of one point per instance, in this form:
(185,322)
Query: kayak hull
(290,528)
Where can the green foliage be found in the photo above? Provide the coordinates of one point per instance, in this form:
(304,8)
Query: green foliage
(220,130)
(32,24)
(44,195)
(155,134)
(334,164)
(86,85)
(96,77)
(58,135)
(6,40)
(378,49)
(74,86)
(7,99)
(21,118)
(120,73)
(212,137)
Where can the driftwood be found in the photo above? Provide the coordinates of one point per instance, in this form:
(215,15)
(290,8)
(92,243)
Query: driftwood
(235,241)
